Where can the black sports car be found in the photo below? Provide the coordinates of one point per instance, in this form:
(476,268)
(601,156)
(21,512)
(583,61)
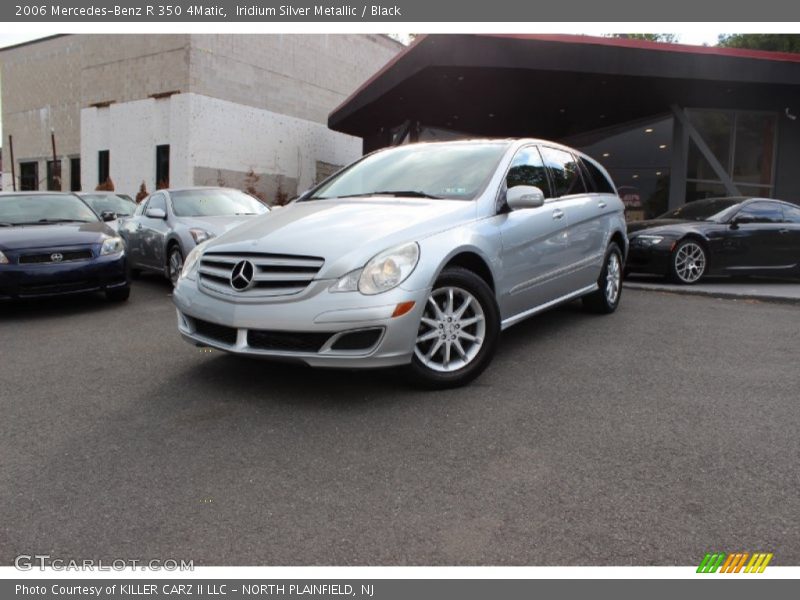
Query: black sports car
(718,236)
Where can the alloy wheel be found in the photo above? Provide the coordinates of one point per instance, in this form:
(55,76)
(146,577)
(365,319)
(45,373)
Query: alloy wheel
(175,265)
(613,278)
(690,262)
(452,330)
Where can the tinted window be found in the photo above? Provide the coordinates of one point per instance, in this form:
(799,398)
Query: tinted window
(760,212)
(458,171)
(712,209)
(565,171)
(597,179)
(791,214)
(157,201)
(527,168)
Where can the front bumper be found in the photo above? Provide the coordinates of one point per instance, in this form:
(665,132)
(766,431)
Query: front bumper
(653,259)
(307,327)
(20,281)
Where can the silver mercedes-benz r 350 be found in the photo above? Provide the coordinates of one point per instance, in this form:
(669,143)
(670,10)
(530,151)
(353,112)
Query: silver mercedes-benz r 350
(416,255)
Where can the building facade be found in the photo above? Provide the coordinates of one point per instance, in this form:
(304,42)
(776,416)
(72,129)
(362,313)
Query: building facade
(247,111)
(671,123)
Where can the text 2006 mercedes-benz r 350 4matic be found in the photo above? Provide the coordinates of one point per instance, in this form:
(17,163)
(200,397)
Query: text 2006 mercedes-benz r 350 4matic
(416,255)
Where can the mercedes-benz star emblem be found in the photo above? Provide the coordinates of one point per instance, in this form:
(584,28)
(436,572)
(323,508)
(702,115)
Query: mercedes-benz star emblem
(242,276)
(56,257)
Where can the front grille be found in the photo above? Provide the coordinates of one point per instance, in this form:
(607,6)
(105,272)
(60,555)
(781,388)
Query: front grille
(273,275)
(287,341)
(213,331)
(66,256)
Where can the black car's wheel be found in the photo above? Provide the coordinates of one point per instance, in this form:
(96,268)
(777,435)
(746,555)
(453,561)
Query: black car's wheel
(118,294)
(174,264)
(458,331)
(688,262)
(605,299)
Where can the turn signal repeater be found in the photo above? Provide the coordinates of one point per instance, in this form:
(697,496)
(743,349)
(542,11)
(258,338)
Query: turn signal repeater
(403,308)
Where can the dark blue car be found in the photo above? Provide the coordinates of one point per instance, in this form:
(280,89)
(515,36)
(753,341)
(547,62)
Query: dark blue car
(53,244)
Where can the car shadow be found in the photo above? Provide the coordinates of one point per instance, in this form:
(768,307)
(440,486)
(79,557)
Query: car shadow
(720,279)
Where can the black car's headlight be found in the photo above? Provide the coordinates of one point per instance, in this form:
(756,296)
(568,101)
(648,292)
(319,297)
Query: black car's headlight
(112,245)
(3,259)
(649,240)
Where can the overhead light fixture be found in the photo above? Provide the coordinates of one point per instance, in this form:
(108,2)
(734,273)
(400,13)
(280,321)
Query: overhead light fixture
(658,172)
(606,154)
(491,115)
(635,176)
(649,130)
(662,146)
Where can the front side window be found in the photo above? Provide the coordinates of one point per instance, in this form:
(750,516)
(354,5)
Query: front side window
(791,214)
(565,172)
(457,171)
(527,168)
(44,209)
(760,212)
(214,203)
(157,201)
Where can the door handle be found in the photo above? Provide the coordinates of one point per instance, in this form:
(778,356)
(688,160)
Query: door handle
(601,204)
(558,214)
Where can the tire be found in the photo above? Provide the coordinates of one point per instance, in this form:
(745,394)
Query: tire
(118,294)
(174,264)
(605,299)
(688,262)
(475,327)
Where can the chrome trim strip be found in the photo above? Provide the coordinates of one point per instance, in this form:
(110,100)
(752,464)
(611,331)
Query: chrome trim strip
(506,323)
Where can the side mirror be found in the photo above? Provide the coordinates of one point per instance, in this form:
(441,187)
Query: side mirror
(520,197)
(156,213)
(108,215)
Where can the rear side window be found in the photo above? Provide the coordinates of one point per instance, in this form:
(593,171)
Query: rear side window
(565,172)
(791,214)
(597,179)
(527,168)
(760,212)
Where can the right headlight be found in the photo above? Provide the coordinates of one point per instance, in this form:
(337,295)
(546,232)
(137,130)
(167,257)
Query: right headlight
(383,272)
(388,269)
(650,240)
(192,260)
(3,259)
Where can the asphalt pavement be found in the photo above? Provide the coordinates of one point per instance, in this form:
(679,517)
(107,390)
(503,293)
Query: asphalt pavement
(647,437)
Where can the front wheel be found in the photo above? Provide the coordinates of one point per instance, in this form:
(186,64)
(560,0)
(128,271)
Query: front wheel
(605,299)
(174,264)
(688,262)
(458,332)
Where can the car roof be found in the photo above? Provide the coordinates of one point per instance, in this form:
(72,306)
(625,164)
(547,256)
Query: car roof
(38,193)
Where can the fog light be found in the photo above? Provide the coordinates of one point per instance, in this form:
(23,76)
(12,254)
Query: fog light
(402,308)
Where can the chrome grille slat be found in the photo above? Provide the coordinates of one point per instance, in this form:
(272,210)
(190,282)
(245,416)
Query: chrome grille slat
(274,274)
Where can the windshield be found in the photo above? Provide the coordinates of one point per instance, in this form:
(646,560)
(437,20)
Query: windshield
(41,209)
(453,171)
(101,203)
(713,209)
(214,203)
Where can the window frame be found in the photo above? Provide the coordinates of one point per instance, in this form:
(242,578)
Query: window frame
(577,160)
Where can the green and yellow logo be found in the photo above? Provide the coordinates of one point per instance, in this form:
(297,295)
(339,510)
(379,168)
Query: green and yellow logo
(734,563)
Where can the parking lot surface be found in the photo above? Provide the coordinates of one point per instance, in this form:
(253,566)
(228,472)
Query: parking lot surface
(650,436)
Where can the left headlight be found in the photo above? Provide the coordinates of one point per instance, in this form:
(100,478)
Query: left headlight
(200,235)
(112,245)
(191,262)
(3,259)
(650,240)
(383,272)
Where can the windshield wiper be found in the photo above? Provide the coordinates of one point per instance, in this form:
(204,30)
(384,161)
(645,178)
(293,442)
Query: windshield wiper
(395,193)
(46,221)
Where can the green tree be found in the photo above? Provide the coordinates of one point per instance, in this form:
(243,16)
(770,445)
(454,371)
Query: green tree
(667,38)
(776,42)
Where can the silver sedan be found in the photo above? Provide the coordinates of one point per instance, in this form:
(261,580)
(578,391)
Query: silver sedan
(168,224)
(417,255)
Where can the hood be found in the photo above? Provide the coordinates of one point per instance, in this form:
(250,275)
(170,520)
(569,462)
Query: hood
(55,235)
(215,225)
(665,225)
(346,233)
